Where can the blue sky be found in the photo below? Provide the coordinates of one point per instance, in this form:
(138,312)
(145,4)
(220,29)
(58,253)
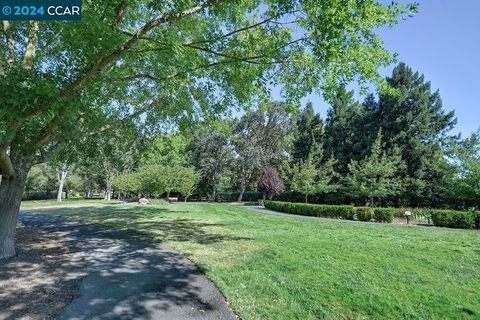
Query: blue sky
(442,41)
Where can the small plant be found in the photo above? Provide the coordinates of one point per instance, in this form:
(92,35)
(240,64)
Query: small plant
(364,213)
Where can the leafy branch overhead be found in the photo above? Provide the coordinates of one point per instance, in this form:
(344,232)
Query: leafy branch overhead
(176,61)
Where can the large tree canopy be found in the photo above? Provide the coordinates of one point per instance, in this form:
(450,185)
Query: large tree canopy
(173,61)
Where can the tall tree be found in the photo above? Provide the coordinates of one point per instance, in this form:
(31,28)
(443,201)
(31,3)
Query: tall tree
(259,138)
(376,176)
(169,149)
(211,154)
(466,161)
(175,61)
(309,132)
(345,136)
(413,120)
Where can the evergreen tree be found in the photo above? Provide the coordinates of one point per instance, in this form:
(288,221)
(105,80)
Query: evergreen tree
(345,136)
(375,177)
(414,121)
(314,176)
(308,133)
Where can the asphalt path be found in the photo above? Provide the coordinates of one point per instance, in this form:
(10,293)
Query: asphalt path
(129,278)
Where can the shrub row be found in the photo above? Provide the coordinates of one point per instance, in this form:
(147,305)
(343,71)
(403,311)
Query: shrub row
(346,212)
(39,196)
(440,218)
(454,219)
(315,210)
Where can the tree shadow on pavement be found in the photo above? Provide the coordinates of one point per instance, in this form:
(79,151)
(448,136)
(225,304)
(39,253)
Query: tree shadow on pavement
(126,277)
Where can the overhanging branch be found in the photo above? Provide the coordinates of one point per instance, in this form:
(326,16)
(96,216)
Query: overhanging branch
(112,57)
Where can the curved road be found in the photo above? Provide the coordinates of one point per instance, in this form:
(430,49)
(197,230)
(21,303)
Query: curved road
(128,278)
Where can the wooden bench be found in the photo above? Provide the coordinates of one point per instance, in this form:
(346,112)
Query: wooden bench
(172,199)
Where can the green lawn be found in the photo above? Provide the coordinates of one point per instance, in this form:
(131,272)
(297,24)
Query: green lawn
(273,267)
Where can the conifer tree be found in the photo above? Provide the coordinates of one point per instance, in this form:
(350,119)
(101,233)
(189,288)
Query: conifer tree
(414,121)
(375,177)
(345,137)
(309,133)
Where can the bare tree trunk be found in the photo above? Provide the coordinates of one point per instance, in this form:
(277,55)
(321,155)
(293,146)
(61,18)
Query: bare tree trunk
(214,191)
(108,195)
(62,177)
(306,198)
(11,191)
(214,188)
(242,191)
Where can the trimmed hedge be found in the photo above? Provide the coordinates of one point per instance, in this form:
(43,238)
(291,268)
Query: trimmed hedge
(315,210)
(440,218)
(454,219)
(383,214)
(364,213)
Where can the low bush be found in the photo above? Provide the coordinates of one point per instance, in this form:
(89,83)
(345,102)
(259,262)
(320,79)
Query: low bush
(383,214)
(39,196)
(315,210)
(454,219)
(364,213)
(477,219)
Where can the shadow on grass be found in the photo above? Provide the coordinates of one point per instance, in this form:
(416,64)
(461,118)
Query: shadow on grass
(147,222)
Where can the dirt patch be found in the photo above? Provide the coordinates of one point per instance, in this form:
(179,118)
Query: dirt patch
(42,279)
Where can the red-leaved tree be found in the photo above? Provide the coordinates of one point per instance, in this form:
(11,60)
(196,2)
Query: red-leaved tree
(270,183)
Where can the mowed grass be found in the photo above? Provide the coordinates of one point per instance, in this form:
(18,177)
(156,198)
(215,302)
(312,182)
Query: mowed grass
(272,267)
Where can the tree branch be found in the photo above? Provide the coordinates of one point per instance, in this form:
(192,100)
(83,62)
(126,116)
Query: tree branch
(9,38)
(122,8)
(46,135)
(137,113)
(6,167)
(112,57)
(31,45)
(252,26)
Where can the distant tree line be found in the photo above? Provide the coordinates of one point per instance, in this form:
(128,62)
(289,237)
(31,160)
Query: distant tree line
(394,149)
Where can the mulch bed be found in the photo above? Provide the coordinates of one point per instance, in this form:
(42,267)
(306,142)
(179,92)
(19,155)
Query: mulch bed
(42,279)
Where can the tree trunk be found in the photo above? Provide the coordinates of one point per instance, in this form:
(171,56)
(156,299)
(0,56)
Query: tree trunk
(242,191)
(11,191)
(168,195)
(306,198)
(62,176)
(214,190)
